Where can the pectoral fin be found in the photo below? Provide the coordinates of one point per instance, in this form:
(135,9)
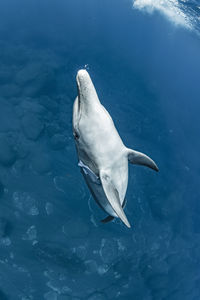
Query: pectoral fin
(139,158)
(113,196)
(111,218)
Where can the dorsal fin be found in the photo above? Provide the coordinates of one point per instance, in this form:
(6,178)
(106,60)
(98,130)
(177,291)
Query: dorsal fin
(113,196)
(139,158)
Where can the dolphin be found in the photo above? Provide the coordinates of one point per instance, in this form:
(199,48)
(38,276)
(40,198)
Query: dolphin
(103,158)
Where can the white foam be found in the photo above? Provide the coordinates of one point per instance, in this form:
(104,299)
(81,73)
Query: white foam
(169,8)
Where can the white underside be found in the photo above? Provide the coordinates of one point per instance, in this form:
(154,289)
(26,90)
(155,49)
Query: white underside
(94,183)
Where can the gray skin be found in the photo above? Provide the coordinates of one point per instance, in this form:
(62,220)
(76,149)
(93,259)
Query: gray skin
(102,155)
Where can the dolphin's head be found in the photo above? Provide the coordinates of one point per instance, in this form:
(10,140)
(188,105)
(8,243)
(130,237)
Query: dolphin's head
(85,110)
(87,96)
(85,100)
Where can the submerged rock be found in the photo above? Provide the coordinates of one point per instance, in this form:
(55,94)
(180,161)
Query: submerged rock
(108,250)
(32,126)
(7,153)
(28,73)
(8,117)
(49,208)
(58,142)
(76,228)
(25,203)
(97,296)
(6,74)
(9,90)
(31,233)
(3,225)
(50,296)
(3,296)
(36,78)
(1,190)
(49,104)
(52,129)
(30,105)
(41,163)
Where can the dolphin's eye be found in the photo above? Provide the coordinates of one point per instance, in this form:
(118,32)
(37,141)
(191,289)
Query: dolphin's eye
(76,135)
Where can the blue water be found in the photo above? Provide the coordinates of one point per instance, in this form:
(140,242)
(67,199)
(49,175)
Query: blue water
(146,69)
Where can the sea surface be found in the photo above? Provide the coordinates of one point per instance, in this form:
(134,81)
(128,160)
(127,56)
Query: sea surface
(144,59)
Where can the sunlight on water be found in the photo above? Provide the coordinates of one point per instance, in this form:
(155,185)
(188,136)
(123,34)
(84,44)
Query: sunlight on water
(172,9)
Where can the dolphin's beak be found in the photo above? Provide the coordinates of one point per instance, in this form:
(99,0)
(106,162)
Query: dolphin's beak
(83,80)
(82,76)
(86,91)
